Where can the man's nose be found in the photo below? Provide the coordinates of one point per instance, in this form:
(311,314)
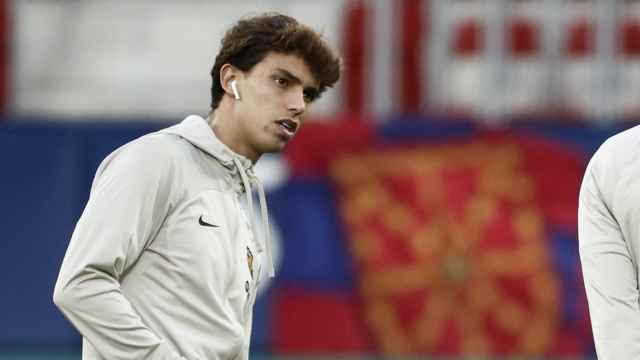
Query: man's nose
(295,103)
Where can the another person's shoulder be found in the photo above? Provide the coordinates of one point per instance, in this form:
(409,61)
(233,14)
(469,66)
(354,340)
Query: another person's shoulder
(624,143)
(617,160)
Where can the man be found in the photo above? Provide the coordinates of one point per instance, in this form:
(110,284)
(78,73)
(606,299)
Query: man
(163,263)
(609,238)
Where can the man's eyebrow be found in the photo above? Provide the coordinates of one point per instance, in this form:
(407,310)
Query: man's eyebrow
(291,77)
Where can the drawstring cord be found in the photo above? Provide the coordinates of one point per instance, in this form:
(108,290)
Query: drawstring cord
(265,225)
(266,240)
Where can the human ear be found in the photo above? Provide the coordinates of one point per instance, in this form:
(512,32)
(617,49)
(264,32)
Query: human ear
(228,75)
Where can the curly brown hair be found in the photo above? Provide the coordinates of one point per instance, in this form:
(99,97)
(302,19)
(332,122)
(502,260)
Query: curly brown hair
(251,39)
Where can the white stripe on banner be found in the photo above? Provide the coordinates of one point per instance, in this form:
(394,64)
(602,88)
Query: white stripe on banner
(383,76)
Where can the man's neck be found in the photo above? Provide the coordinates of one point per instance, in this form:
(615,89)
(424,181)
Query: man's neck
(225,130)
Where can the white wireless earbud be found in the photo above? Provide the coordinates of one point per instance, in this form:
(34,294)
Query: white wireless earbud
(234,89)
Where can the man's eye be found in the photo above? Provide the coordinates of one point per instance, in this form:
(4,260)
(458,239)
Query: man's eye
(307,97)
(282,81)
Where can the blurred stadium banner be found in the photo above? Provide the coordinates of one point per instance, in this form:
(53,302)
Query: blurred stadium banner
(461,241)
(411,238)
(493,60)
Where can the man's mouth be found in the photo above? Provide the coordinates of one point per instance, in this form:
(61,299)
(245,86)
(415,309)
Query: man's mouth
(288,125)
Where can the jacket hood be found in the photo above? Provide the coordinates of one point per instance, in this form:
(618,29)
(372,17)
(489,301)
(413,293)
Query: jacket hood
(197,131)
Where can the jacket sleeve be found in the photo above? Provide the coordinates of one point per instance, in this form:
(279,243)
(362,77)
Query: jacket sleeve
(609,270)
(130,197)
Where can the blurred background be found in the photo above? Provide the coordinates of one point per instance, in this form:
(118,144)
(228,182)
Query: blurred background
(427,209)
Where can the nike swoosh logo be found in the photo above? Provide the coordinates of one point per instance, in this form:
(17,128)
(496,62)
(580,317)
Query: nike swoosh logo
(204,223)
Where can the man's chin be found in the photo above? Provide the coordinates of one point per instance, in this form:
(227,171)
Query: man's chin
(274,148)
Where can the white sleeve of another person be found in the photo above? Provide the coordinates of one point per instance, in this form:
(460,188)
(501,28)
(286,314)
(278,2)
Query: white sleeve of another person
(609,262)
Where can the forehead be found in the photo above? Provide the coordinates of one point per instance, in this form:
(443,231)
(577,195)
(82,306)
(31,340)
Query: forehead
(294,64)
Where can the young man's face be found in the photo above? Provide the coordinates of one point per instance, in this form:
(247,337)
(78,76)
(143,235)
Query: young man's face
(274,96)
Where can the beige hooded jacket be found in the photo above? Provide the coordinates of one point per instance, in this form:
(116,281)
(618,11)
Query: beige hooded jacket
(163,262)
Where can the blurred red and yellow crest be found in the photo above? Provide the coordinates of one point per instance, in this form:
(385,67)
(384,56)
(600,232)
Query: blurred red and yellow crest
(449,244)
